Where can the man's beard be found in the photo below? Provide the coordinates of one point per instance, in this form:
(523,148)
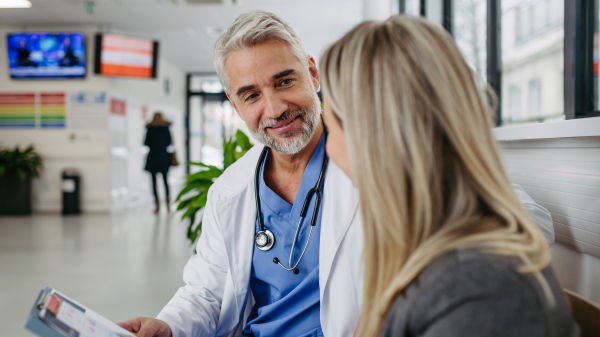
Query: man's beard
(295,140)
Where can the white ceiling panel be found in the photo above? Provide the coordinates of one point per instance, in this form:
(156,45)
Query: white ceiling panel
(186,32)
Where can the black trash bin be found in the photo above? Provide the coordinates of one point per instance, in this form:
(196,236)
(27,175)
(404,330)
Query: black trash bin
(70,190)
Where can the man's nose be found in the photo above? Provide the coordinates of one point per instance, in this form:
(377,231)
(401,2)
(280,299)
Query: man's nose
(274,106)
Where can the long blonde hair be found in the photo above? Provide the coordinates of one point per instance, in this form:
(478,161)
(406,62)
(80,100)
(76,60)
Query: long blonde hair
(423,156)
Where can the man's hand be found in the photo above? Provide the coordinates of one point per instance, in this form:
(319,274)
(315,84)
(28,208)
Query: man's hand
(147,327)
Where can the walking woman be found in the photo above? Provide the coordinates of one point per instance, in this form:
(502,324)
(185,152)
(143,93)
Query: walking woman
(158,138)
(449,250)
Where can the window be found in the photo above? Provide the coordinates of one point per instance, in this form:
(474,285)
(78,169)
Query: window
(595,57)
(532,53)
(536,17)
(470,32)
(514,105)
(581,80)
(434,11)
(412,7)
(524,45)
(535,99)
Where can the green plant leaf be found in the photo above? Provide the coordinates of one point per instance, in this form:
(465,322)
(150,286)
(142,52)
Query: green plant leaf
(200,164)
(22,163)
(201,200)
(233,149)
(199,185)
(208,175)
(228,153)
(184,203)
(242,141)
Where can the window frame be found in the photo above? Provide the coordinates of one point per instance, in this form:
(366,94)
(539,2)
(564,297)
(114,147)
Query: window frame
(447,11)
(579,59)
(578,62)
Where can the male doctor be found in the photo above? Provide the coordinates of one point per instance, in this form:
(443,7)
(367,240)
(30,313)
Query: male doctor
(245,280)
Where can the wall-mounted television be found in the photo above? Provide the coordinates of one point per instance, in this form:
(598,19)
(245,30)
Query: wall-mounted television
(46,55)
(125,56)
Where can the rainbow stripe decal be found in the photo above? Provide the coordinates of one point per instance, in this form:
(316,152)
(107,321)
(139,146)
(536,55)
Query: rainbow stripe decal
(17,110)
(52,110)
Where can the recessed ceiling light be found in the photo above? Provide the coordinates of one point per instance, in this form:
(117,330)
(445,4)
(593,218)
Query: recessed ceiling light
(15,4)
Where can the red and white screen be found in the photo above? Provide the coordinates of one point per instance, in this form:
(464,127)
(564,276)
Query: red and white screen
(126,56)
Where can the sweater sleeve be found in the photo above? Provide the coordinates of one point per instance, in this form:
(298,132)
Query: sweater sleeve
(490,315)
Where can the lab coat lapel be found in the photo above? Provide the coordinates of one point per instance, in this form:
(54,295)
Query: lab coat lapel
(340,202)
(237,221)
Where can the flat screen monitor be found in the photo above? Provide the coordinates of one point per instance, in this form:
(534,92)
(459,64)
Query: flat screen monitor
(118,55)
(46,55)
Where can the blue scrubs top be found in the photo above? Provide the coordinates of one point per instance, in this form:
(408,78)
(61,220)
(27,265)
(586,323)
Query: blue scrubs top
(288,304)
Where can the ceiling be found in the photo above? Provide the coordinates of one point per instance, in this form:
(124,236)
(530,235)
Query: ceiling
(183,29)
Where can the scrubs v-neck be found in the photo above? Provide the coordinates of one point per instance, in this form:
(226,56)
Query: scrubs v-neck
(288,304)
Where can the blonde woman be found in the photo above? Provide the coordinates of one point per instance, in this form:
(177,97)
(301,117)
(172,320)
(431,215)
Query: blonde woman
(449,251)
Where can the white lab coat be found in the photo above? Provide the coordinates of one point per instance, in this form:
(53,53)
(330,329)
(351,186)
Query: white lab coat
(217,299)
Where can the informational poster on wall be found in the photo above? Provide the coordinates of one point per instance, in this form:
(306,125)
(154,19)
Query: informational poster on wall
(52,109)
(88,110)
(117,106)
(117,122)
(17,110)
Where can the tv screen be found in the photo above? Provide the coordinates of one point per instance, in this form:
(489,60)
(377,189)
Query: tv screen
(46,55)
(118,55)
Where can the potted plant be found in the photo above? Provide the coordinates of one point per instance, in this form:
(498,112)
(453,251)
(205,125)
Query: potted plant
(17,168)
(192,197)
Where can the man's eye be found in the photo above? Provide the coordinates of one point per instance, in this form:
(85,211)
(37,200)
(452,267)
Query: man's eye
(286,82)
(251,97)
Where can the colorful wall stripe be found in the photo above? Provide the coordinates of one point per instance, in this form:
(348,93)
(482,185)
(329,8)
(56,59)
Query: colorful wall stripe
(52,110)
(17,110)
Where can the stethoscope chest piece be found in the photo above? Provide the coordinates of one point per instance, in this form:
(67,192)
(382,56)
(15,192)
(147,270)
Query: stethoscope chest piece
(264,240)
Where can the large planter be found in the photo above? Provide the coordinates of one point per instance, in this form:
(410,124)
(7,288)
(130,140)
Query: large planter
(15,195)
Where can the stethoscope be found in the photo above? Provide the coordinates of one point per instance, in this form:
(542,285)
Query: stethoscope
(265,239)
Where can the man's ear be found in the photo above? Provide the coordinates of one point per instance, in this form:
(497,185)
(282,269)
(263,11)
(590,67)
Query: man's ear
(314,72)
(234,105)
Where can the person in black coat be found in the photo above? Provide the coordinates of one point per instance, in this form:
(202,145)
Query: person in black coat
(158,138)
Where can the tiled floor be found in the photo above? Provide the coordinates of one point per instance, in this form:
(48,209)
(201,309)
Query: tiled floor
(119,265)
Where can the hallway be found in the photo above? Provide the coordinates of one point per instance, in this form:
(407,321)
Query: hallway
(120,265)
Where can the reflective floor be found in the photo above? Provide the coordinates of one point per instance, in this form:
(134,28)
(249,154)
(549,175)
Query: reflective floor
(119,265)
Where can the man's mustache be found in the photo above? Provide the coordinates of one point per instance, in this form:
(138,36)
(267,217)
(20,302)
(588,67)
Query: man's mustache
(285,115)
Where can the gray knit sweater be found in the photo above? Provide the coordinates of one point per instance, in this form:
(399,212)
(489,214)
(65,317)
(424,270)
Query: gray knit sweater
(468,293)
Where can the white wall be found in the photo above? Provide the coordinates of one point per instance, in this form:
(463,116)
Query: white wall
(107,164)
(563,175)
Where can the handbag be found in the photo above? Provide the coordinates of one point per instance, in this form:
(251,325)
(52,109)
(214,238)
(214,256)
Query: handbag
(174,161)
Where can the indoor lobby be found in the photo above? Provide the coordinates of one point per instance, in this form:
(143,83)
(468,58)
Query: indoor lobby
(83,82)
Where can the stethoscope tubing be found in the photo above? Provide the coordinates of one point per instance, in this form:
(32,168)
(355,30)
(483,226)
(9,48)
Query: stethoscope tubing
(261,227)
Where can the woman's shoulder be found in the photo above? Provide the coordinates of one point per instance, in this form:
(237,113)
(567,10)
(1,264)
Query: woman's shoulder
(481,292)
